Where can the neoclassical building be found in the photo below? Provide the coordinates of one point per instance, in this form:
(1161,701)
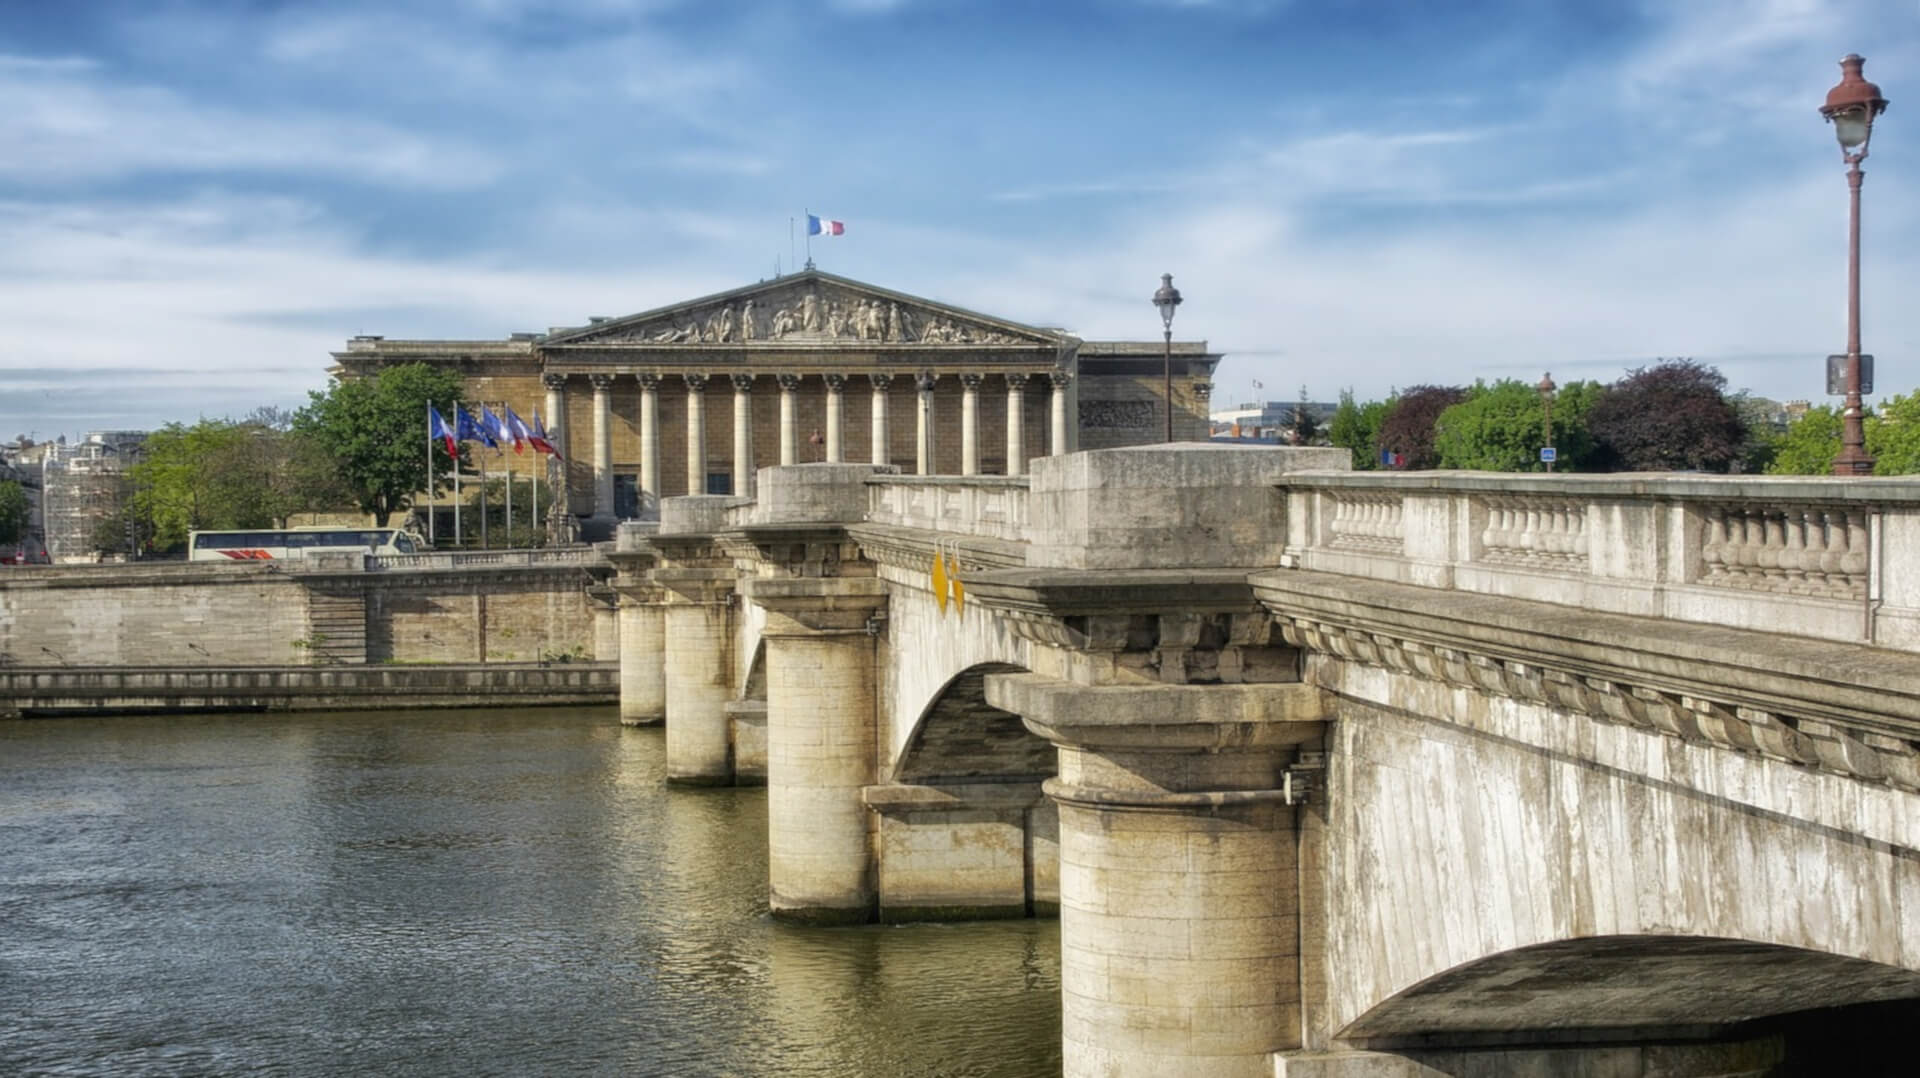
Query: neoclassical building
(694,397)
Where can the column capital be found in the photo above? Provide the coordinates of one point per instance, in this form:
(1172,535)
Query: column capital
(601,382)
(1164,718)
(925,381)
(649,381)
(1059,377)
(788,382)
(810,606)
(1016,379)
(696,382)
(555,382)
(881,379)
(835,382)
(742,383)
(972,382)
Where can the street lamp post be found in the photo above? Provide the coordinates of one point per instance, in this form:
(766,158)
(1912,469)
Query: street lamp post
(1167,298)
(1851,107)
(1546,388)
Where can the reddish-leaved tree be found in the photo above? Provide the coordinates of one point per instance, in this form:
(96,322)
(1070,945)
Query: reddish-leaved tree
(1407,430)
(1672,416)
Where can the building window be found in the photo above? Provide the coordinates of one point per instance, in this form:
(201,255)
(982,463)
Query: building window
(719,482)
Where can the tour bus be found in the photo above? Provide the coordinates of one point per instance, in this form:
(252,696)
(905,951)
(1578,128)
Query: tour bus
(272,544)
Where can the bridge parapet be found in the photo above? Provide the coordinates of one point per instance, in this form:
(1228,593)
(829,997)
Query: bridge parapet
(1836,560)
(986,506)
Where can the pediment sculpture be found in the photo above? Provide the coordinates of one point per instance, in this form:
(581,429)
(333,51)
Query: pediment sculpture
(807,313)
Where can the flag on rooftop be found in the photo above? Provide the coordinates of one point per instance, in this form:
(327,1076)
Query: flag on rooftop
(437,428)
(822,226)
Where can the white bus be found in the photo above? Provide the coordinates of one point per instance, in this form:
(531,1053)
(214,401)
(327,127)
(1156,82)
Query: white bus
(267,544)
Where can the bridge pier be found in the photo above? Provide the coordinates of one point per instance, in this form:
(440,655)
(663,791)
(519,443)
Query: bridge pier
(697,624)
(643,671)
(822,687)
(1180,919)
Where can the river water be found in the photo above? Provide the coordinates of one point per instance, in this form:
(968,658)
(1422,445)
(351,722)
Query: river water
(450,893)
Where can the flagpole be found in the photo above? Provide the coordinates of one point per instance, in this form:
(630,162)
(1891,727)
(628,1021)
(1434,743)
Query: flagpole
(457,540)
(790,249)
(429,473)
(486,541)
(809,239)
(507,467)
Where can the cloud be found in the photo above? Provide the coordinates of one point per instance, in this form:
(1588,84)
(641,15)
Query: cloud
(67,121)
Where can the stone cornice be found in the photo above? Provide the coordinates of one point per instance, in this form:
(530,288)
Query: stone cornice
(1088,610)
(1841,707)
(912,549)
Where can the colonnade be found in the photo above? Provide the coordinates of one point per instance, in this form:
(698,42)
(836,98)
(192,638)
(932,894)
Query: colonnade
(743,384)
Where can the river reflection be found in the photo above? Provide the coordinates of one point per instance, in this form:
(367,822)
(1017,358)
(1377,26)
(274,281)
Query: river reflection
(467,892)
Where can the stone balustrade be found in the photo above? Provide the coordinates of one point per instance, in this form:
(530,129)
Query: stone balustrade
(1836,560)
(987,506)
(486,559)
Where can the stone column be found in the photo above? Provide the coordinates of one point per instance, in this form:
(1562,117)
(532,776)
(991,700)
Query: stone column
(970,423)
(789,434)
(602,444)
(643,674)
(1016,423)
(822,692)
(1179,897)
(696,655)
(882,452)
(836,417)
(649,443)
(1057,436)
(557,438)
(743,434)
(696,433)
(923,447)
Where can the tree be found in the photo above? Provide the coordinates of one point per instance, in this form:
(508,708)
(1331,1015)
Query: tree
(376,428)
(193,478)
(1408,427)
(1672,416)
(1356,427)
(1304,427)
(1809,444)
(13,512)
(1893,436)
(1498,428)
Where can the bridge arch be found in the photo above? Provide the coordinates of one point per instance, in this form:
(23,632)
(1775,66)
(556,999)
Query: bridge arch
(960,738)
(1600,983)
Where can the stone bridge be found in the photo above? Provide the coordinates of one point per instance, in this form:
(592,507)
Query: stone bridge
(1328,773)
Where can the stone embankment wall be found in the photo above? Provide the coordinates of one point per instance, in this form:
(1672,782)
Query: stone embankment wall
(269,614)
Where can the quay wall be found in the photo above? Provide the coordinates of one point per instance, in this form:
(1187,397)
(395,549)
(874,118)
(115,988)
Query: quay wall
(187,614)
(47,691)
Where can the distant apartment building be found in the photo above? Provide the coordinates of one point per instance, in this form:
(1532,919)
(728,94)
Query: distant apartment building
(82,486)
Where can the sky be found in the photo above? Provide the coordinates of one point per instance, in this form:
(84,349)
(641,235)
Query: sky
(200,200)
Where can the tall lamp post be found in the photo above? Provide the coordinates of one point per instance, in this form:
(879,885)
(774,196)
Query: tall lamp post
(1851,107)
(1167,298)
(1546,388)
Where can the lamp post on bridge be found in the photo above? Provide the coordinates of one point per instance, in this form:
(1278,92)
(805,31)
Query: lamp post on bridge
(1167,298)
(1851,107)
(1546,388)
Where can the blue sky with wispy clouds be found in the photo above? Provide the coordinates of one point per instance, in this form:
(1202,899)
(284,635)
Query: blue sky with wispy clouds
(198,201)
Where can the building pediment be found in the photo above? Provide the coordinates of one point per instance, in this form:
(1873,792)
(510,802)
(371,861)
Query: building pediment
(810,308)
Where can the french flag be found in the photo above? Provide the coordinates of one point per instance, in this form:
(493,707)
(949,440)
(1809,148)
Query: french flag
(821,226)
(437,428)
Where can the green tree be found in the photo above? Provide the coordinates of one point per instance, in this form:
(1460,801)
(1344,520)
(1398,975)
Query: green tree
(13,512)
(1407,428)
(1893,436)
(198,477)
(1303,428)
(1499,427)
(1356,428)
(1809,444)
(376,429)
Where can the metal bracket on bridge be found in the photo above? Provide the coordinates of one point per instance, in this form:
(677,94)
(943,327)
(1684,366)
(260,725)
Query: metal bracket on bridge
(1299,782)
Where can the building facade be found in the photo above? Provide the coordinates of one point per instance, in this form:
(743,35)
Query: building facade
(693,398)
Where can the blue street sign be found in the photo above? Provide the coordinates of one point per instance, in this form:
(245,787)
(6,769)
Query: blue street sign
(1547,454)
